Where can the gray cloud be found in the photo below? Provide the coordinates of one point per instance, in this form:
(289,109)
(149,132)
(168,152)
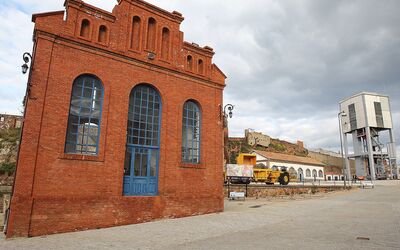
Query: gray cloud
(288,63)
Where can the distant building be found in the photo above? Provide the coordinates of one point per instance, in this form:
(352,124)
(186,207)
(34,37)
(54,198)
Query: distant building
(333,161)
(256,138)
(326,152)
(300,168)
(10,121)
(366,116)
(333,176)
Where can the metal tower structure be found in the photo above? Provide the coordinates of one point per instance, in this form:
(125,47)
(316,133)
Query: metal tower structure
(367,116)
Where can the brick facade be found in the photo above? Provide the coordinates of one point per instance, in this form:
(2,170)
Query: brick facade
(58,192)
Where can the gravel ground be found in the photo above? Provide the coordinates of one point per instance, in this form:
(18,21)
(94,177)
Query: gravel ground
(329,221)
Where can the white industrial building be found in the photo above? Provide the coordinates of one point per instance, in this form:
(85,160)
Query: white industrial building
(330,176)
(304,168)
(366,116)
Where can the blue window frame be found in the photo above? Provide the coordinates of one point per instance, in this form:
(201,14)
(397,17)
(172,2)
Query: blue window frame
(142,142)
(191,132)
(84,116)
(144,116)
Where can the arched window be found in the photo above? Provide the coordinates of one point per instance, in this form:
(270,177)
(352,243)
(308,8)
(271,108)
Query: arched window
(200,67)
(84,116)
(144,116)
(142,142)
(189,62)
(314,173)
(85,28)
(191,132)
(320,174)
(103,35)
(292,172)
(308,173)
(151,34)
(165,44)
(135,33)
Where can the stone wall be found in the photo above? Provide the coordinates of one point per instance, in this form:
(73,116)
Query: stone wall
(261,191)
(334,164)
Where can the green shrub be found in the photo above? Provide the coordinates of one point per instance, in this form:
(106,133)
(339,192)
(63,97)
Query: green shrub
(7,167)
(278,147)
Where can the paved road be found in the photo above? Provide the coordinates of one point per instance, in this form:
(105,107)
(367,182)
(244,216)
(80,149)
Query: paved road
(333,221)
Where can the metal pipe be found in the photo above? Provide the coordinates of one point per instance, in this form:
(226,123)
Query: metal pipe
(340,114)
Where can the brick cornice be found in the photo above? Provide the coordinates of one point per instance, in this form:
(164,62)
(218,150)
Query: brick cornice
(206,51)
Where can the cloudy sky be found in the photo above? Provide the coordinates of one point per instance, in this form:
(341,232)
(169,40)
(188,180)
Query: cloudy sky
(288,63)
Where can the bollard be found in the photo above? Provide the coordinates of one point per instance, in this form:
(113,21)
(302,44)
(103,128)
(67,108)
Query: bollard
(229,188)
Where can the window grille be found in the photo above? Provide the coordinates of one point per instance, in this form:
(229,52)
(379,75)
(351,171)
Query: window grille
(143,118)
(191,133)
(84,116)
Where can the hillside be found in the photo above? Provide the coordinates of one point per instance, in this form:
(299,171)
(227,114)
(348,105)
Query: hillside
(238,145)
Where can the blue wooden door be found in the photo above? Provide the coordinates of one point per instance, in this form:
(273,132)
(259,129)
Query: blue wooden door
(143,139)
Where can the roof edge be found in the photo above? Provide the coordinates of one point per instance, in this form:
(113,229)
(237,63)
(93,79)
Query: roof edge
(317,163)
(361,94)
(219,70)
(51,13)
(194,46)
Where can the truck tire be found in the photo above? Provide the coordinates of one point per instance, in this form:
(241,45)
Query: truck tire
(284,178)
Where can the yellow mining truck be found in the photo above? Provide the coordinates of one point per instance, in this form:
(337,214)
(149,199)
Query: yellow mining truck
(264,174)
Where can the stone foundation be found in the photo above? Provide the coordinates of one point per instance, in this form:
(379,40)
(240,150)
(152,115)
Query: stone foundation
(262,191)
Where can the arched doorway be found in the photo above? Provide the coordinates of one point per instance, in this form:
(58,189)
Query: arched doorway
(308,173)
(142,142)
(300,174)
(314,173)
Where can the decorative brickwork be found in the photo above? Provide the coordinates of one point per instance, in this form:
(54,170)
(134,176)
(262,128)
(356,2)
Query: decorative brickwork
(137,43)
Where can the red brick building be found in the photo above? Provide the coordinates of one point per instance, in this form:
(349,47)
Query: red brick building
(123,123)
